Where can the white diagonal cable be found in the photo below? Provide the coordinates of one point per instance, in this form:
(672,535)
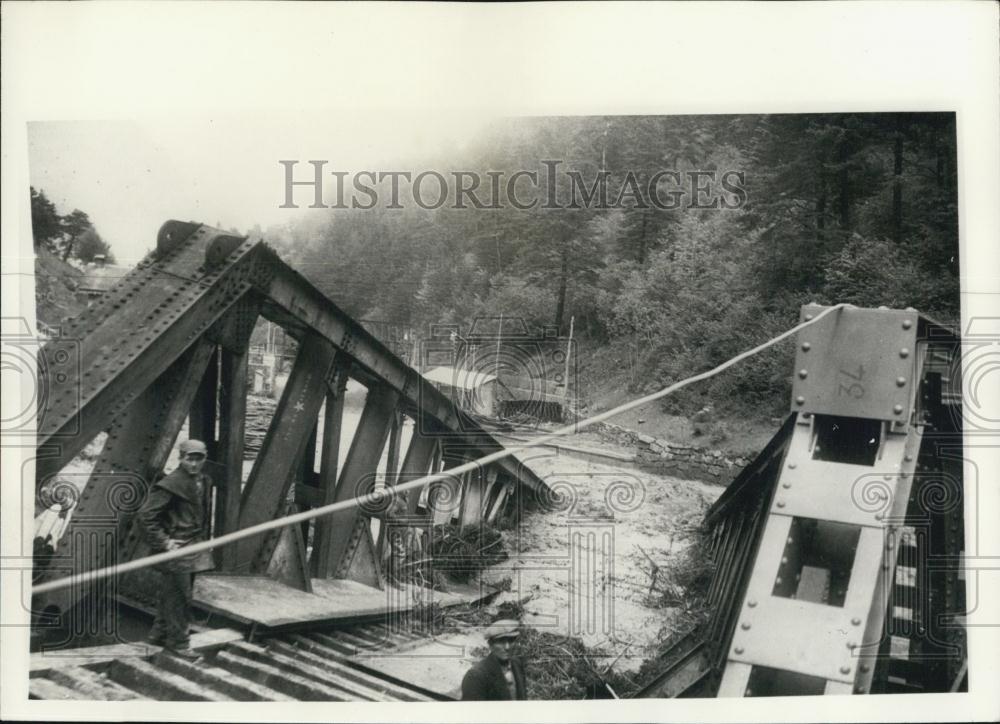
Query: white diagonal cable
(378,497)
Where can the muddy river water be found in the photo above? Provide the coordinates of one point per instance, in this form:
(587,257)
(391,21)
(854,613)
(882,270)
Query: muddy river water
(582,568)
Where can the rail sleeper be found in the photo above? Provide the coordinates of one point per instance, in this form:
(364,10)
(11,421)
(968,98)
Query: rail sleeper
(275,677)
(91,684)
(154,682)
(337,663)
(238,687)
(370,690)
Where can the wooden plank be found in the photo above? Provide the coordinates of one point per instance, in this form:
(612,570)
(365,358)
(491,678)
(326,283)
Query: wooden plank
(359,642)
(96,656)
(228,682)
(154,682)
(344,654)
(347,690)
(358,474)
(328,642)
(258,599)
(472,499)
(507,487)
(371,688)
(51,691)
(91,684)
(491,489)
(369,637)
(266,490)
(261,600)
(334,661)
(276,678)
(436,664)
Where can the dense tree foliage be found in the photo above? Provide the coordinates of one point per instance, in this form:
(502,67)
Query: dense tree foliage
(71,236)
(858,208)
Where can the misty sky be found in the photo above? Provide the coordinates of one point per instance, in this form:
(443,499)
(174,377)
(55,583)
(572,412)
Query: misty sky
(130,177)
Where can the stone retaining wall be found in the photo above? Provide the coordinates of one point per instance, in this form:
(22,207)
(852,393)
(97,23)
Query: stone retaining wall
(683,461)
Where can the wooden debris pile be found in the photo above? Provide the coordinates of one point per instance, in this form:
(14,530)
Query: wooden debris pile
(559,667)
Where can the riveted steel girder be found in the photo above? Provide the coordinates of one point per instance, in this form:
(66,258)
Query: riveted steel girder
(294,298)
(803,611)
(131,336)
(122,347)
(267,488)
(348,528)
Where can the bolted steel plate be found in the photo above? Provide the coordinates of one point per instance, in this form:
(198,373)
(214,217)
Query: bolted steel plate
(846,493)
(856,363)
(809,638)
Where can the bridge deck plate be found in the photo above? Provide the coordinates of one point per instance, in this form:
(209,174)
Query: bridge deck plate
(264,601)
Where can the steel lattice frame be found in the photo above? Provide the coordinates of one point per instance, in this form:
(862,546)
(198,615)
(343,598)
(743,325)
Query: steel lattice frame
(170,343)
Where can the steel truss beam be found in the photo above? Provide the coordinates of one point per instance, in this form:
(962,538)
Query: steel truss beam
(296,301)
(171,341)
(350,529)
(163,308)
(136,449)
(807,539)
(267,488)
(321,562)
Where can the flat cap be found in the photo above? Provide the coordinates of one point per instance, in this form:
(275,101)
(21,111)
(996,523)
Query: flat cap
(503,629)
(193,446)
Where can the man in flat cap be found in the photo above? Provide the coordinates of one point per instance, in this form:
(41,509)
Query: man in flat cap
(500,675)
(172,517)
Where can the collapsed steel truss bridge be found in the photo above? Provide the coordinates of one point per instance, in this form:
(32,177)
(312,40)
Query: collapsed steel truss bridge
(169,344)
(837,550)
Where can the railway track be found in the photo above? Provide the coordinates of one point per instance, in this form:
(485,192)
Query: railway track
(304,666)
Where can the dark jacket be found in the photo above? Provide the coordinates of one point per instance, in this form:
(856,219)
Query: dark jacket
(175,509)
(486,682)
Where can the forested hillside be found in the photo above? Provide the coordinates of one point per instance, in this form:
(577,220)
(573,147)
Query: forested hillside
(857,208)
(68,236)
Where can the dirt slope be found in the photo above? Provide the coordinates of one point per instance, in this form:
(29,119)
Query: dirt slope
(55,289)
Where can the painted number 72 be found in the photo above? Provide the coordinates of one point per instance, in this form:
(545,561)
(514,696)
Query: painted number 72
(849,383)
